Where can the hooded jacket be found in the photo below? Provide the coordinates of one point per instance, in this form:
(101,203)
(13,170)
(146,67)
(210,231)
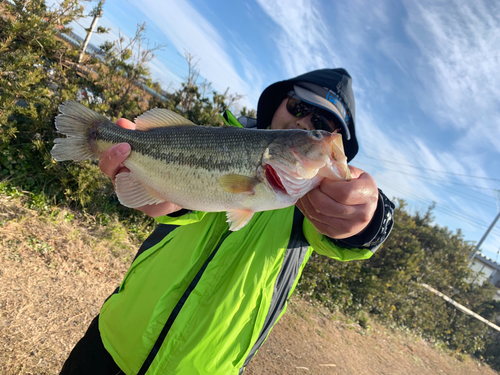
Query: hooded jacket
(202,300)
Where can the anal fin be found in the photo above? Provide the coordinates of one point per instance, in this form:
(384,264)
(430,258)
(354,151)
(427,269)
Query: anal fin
(132,193)
(238,218)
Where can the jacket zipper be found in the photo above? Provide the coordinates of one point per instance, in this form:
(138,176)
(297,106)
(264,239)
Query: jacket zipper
(177,309)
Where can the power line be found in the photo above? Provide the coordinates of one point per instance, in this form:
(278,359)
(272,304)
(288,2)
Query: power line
(430,177)
(464,195)
(433,170)
(427,178)
(466,218)
(451,212)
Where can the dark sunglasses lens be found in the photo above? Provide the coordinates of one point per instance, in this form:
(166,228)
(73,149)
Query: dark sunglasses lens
(320,119)
(297,107)
(292,105)
(322,123)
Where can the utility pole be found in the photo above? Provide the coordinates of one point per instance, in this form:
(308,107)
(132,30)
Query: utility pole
(484,237)
(96,12)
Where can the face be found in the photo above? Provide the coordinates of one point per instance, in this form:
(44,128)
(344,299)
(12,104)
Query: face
(283,119)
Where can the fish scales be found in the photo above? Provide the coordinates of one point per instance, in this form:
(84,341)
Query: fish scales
(240,171)
(205,147)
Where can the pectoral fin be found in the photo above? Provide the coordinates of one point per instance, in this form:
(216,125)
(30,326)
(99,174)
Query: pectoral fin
(238,218)
(238,184)
(132,193)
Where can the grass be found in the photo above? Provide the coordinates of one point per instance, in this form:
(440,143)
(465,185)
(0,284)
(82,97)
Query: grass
(56,269)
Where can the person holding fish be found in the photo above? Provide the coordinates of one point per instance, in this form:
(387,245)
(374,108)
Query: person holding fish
(240,212)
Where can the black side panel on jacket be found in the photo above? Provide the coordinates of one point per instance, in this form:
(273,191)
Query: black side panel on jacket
(154,238)
(89,355)
(294,256)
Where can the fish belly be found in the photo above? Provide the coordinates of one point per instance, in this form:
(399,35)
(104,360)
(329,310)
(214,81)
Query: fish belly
(193,187)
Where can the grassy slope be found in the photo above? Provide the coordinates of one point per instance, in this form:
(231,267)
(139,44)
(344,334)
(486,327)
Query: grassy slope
(55,272)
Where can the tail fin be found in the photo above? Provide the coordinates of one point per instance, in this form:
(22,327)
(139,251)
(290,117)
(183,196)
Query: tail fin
(76,122)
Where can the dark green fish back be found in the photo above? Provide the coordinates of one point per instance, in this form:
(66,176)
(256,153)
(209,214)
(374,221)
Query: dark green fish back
(204,147)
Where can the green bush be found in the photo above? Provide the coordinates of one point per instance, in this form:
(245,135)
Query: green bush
(37,73)
(388,285)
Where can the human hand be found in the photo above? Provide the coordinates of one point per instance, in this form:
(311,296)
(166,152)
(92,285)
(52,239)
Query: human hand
(341,209)
(111,164)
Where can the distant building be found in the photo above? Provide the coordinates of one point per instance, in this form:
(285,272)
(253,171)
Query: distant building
(487,270)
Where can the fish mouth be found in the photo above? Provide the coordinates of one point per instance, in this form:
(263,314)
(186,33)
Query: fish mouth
(274,180)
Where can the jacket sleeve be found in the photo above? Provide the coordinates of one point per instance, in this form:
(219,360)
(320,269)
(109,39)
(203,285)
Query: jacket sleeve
(360,246)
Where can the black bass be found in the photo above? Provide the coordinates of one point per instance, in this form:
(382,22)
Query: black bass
(241,171)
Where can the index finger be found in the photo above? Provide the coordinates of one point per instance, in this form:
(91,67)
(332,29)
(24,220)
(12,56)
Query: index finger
(111,160)
(126,124)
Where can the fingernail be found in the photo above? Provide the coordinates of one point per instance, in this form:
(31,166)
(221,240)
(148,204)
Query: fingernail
(122,149)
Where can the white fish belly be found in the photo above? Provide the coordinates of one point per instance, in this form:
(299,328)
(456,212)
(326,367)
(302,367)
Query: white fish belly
(197,188)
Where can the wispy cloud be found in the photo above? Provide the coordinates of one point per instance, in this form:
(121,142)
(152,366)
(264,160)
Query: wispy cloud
(378,153)
(458,42)
(189,31)
(302,37)
(168,80)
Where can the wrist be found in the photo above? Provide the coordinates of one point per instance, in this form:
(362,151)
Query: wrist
(376,231)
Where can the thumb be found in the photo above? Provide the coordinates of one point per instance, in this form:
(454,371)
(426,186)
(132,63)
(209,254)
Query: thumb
(355,172)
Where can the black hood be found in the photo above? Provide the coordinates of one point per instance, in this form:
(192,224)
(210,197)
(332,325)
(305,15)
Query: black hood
(337,80)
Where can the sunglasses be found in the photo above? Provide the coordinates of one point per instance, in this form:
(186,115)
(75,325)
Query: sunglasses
(321,119)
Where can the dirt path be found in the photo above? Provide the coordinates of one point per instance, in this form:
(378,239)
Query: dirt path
(308,341)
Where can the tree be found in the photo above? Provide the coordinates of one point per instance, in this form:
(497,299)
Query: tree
(31,73)
(388,284)
(192,100)
(96,13)
(38,72)
(119,84)
(250,113)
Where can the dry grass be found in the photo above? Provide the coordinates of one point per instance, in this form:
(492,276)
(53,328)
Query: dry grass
(55,273)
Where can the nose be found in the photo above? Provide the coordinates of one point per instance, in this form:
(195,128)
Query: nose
(305,123)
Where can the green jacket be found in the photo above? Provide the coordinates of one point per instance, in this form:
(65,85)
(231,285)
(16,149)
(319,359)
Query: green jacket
(200,299)
(212,295)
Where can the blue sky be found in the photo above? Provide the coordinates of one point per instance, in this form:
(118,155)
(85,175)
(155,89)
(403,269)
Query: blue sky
(426,78)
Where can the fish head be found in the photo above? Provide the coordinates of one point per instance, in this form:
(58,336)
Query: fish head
(297,162)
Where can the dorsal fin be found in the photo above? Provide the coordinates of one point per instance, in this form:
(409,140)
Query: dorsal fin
(160,118)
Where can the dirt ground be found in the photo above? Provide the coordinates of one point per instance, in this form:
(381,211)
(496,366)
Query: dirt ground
(311,340)
(55,274)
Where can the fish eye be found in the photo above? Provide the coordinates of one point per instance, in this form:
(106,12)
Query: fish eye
(316,135)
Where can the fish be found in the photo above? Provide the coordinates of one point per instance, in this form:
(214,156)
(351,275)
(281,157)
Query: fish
(203,168)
